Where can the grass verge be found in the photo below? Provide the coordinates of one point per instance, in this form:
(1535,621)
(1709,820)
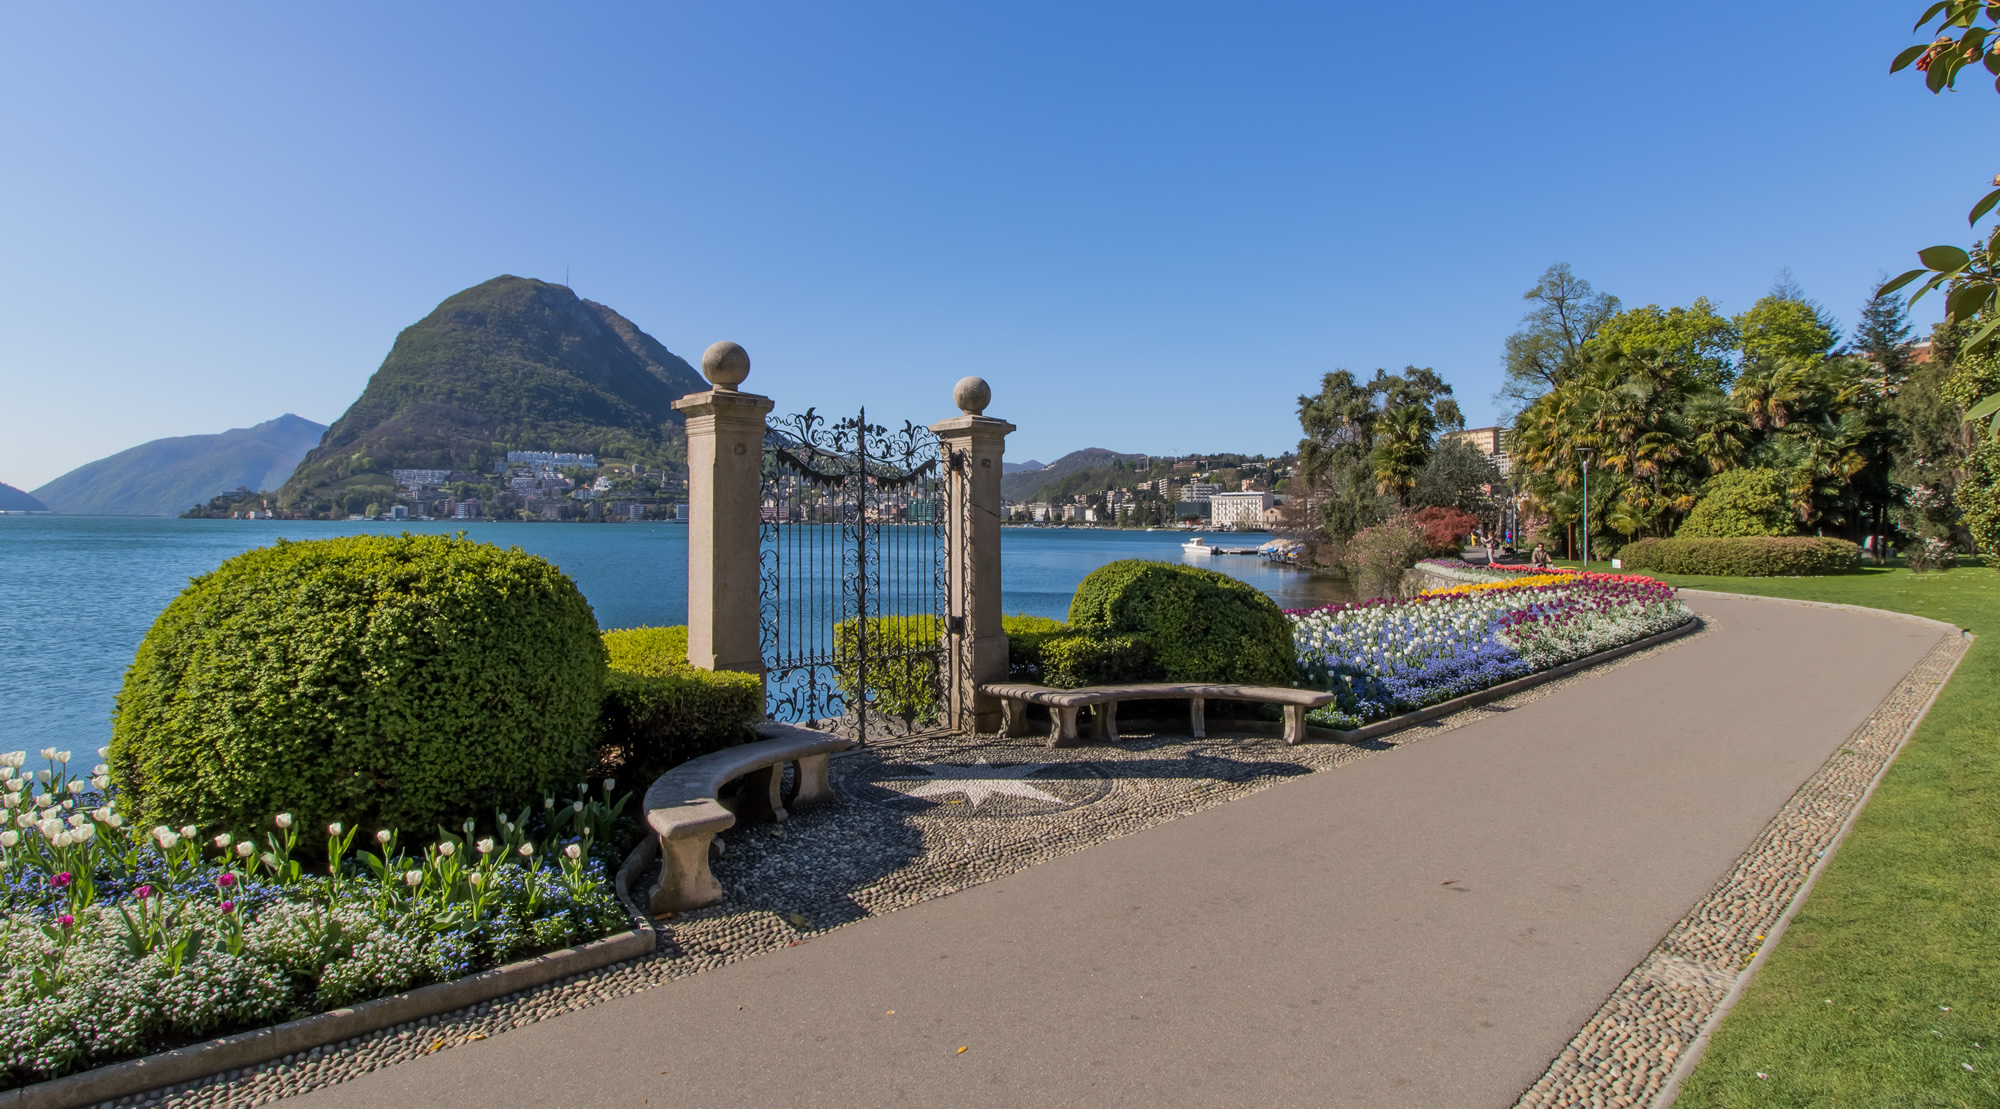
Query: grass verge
(1885,991)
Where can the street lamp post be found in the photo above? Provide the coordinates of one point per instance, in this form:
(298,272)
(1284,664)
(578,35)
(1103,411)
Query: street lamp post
(1583,454)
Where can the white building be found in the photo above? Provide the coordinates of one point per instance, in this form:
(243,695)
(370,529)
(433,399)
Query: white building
(1239,510)
(1199,490)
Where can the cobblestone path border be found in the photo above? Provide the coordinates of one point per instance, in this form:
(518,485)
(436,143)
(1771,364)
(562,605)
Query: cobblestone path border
(1645,1038)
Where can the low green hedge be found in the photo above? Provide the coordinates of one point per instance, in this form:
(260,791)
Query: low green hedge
(906,683)
(1203,625)
(1053,653)
(1025,636)
(1743,556)
(659,711)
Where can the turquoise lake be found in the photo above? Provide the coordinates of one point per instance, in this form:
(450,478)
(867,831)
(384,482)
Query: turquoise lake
(78,593)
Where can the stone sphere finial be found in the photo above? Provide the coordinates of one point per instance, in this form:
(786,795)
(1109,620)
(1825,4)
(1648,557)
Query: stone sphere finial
(725,365)
(972,395)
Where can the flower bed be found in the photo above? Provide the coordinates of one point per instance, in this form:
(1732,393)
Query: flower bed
(1387,657)
(115,944)
(1456,569)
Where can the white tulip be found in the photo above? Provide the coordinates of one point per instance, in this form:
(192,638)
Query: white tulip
(222,840)
(445,850)
(60,839)
(476,879)
(62,757)
(527,850)
(100,782)
(100,770)
(548,803)
(84,834)
(49,753)
(104,752)
(573,851)
(333,829)
(9,838)
(413,878)
(578,807)
(282,820)
(485,846)
(14,760)
(43,776)
(189,831)
(610,784)
(245,849)
(76,787)
(468,827)
(167,840)
(384,836)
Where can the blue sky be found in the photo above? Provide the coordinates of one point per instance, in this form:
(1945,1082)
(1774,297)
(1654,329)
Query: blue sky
(1149,226)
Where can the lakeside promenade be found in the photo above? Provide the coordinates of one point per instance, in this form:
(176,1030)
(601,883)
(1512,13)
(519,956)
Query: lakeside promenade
(1428,927)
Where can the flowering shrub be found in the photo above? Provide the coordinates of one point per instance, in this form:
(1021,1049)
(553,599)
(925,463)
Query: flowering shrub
(116,942)
(1388,657)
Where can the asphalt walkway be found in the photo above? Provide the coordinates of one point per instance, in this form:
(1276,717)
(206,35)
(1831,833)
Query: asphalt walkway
(1424,928)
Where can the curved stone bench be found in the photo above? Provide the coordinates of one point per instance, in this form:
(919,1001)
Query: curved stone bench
(683,809)
(1064,703)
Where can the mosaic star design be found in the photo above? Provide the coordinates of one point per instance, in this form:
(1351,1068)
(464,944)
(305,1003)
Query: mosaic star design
(977,782)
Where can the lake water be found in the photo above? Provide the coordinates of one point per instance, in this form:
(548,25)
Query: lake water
(78,593)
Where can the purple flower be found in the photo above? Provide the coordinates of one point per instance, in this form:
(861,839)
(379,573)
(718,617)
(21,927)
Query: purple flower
(225,879)
(143,892)
(229,906)
(61,881)
(65,920)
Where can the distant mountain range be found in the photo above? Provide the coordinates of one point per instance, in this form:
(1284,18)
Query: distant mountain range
(1020,467)
(13,500)
(165,476)
(511,364)
(1024,484)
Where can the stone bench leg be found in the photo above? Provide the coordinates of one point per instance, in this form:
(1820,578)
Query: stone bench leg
(1014,715)
(1295,724)
(762,797)
(1065,729)
(1198,717)
(1104,721)
(685,880)
(814,786)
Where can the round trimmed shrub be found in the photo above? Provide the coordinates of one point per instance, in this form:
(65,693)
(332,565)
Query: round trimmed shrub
(383,681)
(1742,502)
(1203,626)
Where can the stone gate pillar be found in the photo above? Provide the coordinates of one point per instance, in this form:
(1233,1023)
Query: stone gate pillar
(725,431)
(974,443)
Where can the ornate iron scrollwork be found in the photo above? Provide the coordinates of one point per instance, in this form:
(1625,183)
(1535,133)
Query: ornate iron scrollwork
(853,568)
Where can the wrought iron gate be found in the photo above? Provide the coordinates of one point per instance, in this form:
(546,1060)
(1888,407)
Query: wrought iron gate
(854,575)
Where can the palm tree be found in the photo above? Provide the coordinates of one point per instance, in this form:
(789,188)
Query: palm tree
(1402,443)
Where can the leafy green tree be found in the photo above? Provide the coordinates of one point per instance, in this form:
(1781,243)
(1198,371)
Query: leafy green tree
(1566,314)
(1697,338)
(1781,326)
(1456,475)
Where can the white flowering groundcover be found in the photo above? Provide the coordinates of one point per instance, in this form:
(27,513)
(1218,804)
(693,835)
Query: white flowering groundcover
(1383,658)
(117,943)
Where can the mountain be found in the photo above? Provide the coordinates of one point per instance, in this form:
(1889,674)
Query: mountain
(13,500)
(164,476)
(1024,485)
(511,364)
(1020,467)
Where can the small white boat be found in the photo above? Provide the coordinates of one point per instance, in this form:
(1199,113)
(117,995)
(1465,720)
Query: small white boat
(1197,546)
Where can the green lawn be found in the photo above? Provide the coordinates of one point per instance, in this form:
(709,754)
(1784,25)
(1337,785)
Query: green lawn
(1887,985)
